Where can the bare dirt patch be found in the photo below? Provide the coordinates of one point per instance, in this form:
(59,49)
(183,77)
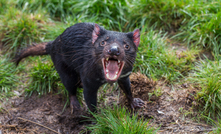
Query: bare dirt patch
(31,114)
(164,107)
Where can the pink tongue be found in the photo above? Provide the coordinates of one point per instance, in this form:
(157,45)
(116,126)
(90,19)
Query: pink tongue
(112,68)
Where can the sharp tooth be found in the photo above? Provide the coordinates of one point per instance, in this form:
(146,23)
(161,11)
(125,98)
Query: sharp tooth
(107,75)
(107,59)
(107,70)
(115,76)
(118,61)
(117,72)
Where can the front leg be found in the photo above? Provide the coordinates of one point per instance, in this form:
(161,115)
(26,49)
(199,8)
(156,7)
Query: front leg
(124,84)
(90,93)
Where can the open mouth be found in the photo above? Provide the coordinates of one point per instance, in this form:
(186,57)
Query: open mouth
(112,68)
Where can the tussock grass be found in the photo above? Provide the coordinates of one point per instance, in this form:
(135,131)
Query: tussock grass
(164,15)
(203,29)
(56,8)
(218,127)
(196,23)
(157,60)
(3,6)
(110,13)
(20,29)
(207,75)
(8,77)
(43,78)
(119,121)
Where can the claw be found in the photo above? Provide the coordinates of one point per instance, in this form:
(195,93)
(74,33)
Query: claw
(137,103)
(74,104)
(72,108)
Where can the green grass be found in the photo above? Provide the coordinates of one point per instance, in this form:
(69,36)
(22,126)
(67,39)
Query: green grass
(3,6)
(8,77)
(203,29)
(58,9)
(164,15)
(53,33)
(43,77)
(207,76)
(119,121)
(196,23)
(157,60)
(110,13)
(20,29)
(218,127)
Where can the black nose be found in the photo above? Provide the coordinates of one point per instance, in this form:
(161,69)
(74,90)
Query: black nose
(114,50)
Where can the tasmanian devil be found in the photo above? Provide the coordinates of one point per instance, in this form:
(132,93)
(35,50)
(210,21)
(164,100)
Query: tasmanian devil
(87,54)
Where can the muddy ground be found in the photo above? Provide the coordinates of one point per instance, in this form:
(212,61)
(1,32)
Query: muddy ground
(165,107)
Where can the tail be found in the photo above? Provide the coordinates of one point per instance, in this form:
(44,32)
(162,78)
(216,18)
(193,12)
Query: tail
(39,49)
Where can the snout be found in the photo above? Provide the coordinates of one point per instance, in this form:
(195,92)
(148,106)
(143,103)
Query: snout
(114,50)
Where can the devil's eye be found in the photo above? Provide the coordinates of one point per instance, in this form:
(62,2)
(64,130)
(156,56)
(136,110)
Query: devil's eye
(126,46)
(103,43)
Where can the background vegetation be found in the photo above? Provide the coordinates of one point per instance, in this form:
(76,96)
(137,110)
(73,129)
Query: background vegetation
(192,24)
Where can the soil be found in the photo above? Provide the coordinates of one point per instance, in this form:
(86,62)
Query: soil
(165,107)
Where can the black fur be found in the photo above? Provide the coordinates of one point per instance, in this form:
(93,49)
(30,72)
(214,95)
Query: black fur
(77,56)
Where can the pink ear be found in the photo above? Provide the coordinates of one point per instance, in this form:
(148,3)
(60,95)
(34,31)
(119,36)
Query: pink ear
(95,33)
(136,37)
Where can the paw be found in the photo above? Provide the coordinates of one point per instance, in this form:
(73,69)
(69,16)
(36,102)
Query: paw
(75,108)
(137,103)
(74,104)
